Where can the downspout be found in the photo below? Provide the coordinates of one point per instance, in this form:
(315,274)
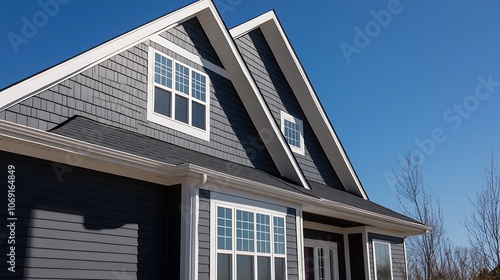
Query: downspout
(203,181)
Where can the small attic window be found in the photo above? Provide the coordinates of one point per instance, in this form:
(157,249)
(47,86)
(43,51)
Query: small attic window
(292,129)
(178,96)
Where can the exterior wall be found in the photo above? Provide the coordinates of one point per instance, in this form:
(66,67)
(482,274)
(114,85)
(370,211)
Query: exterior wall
(204,236)
(397,254)
(280,97)
(173,236)
(190,36)
(291,245)
(89,225)
(115,93)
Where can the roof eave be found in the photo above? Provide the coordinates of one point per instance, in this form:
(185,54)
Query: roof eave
(29,141)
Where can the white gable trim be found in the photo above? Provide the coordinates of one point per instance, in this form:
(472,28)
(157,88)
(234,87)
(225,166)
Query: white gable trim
(252,24)
(249,93)
(226,49)
(296,76)
(92,57)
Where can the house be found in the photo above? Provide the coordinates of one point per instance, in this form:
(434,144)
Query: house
(184,150)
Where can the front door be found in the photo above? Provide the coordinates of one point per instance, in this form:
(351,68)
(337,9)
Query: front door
(321,260)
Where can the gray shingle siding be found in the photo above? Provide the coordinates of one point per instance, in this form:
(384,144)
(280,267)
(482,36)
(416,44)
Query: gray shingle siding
(397,254)
(90,225)
(280,97)
(190,36)
(114,92)
(204,236)
(291,245)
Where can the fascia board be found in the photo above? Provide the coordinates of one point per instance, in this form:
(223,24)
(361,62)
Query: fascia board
(65,70)
(375,219)
(252,24)
(62,144)
(335,209)
(48,144)
(296,76)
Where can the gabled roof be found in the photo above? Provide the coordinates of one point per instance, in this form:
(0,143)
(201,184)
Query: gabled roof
(222,41)
(305,94)
(226,49)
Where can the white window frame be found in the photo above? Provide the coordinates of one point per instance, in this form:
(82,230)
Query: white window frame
(171,122)
(285,116)
(326,246)
(272,212)
(375,257)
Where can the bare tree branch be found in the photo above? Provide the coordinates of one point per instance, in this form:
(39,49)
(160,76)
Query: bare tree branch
(424,250)
(483,224)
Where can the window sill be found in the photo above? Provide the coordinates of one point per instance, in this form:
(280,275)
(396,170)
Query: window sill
(179,126)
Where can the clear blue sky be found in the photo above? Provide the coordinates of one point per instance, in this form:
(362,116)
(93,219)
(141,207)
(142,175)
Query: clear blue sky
(408,80)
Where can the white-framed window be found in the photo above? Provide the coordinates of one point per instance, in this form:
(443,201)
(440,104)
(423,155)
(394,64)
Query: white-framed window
(321,260)
(178,96)
(293,130)
(250,243)
(382,260)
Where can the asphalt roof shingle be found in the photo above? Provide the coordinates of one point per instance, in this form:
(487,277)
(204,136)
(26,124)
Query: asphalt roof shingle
(91,131)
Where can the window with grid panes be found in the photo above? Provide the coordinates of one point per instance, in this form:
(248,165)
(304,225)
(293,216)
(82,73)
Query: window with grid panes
(178,96)
(250,244)
(293,131)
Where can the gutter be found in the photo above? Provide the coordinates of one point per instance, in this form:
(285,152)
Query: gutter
(339,208)
(28,141)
